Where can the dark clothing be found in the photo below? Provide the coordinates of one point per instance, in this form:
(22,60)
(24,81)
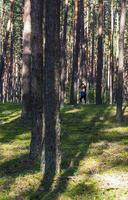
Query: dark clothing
(82,93)
(83,97)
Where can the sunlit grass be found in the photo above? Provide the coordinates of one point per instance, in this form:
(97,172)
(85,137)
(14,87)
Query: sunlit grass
(92,145)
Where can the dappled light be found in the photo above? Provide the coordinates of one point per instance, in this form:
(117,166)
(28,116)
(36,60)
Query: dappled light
(63,100)
(94,157)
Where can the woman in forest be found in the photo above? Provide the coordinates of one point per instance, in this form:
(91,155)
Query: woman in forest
(83,92)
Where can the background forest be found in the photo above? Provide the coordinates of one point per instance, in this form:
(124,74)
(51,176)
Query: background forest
(48,50)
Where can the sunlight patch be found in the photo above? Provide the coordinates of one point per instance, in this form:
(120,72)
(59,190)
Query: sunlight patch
(6,112)
(25,184)
(115,180)
(73,111)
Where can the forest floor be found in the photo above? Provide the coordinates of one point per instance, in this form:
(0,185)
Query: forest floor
(94,156)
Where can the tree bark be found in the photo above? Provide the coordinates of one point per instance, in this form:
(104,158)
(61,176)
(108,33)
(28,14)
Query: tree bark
(36,79)
(64,54)
(51,89)
(111,54)
(6,55)
(26,70)
(76,51)
(100,56)
(93,44)
(82,43)
(119,93)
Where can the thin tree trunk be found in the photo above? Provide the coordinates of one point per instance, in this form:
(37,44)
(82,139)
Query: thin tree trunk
(93,45)
(8,29)
(26,70)
(100,56)
(76,51)
(64,56)
(10,75)
(82,43)
(119,96)
(6,57)
(111,55)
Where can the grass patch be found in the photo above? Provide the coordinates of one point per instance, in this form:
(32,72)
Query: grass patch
(92,144)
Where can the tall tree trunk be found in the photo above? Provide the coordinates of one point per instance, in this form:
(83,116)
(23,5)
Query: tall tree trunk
(64,56)
(51,89)
(1,44)
(100,56)
(119,93)
(93,44)
(76,50)
(10,71)
(36,79)
(6,57)
(8,29)
(1,51)
(111,54)
(26,70)
(82,43)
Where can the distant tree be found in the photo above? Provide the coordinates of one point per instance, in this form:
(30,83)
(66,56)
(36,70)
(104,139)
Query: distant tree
(7,52)
(111,53)
(99,55)
(82,42)
(93,44)
(64,53)
(119,96)
(76,51)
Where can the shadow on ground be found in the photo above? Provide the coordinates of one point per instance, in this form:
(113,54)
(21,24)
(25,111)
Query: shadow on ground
(80,128)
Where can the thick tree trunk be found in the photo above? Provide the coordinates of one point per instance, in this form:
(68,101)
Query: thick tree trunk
(51,90)
(36,79)
(26,70)
(119,93)
(100,56)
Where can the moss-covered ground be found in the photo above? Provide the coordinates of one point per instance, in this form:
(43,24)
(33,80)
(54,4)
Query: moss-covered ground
(94,156)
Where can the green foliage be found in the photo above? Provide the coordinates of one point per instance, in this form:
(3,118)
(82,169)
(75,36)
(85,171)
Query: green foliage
(91,95)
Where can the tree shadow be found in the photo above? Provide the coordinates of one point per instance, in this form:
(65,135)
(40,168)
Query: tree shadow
(78,133)
(11,130)
(75,144)
(17,167)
